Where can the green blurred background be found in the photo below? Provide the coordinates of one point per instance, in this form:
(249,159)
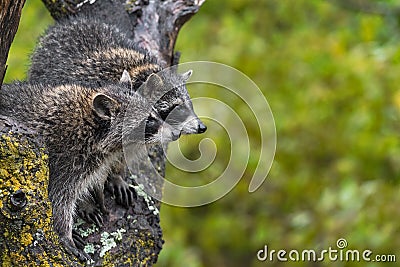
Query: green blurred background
(331,77)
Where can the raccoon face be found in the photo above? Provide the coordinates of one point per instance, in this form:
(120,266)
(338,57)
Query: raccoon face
(155,129)
(159,131)
(173,114)
(176,108)
(181,116)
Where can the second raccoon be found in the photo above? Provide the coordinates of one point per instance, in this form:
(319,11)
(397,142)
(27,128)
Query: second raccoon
(91,53)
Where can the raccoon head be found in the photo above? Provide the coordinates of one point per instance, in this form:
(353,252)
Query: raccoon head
(154,128)
(175,106)
(173,112)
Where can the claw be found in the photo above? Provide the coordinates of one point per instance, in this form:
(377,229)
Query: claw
(96,218)
(78,240)
(119,194)
(71,247)
(90,214)
(124,195)
(104,210)
(131,196)
(125,200)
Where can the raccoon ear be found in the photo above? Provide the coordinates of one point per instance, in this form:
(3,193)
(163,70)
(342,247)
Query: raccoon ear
(186,75)
(153,84)
(126,78)
(154,81)
(104,106)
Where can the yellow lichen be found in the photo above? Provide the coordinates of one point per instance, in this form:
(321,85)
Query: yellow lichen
(24,167)
(26,238)
(107,260)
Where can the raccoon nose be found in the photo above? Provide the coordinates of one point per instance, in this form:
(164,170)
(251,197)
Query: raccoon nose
(175,135)
(202,128)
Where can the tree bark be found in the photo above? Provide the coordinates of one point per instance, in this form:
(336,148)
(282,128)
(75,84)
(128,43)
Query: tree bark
(152,24)
(131,236)
(26,232)
(10,13)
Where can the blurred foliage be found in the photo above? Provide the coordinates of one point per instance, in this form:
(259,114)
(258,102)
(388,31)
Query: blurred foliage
(331,77)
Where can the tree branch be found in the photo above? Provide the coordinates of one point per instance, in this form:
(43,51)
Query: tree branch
(152,24)
(159,25)
(10,13)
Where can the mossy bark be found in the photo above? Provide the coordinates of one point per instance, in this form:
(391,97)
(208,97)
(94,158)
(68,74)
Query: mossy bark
(26,233)
(130,236)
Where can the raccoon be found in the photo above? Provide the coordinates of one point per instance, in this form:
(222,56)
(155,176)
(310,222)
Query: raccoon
(84,130)
(92,53)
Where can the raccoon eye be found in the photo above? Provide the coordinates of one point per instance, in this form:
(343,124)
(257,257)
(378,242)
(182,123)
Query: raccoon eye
(164,113)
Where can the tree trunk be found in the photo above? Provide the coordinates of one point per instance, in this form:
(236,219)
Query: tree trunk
(26,232)
(130,237)
(10,13)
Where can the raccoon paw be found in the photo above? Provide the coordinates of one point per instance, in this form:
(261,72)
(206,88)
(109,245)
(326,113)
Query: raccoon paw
(123,193)
(71,247)
(91,214)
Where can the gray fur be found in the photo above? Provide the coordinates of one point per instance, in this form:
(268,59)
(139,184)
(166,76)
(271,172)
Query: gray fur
(91,53)
(83,131)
